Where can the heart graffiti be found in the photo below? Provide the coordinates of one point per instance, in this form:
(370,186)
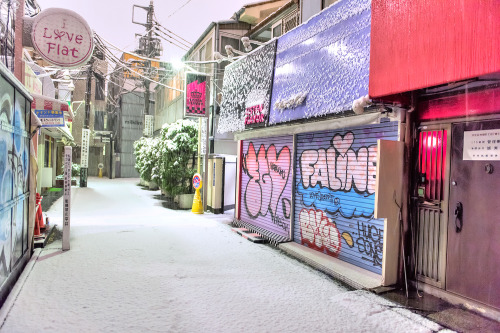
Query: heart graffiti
(268,171)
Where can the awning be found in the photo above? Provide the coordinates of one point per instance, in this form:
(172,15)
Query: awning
(41,102)
(58,132)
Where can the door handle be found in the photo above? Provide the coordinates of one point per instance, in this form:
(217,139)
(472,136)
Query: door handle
(459,217)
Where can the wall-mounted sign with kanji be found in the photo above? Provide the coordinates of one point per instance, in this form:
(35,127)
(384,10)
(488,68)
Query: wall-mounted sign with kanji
(482,145)
(50,118)
(84,160)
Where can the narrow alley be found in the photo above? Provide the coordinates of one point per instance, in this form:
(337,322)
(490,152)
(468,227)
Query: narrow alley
(135,266)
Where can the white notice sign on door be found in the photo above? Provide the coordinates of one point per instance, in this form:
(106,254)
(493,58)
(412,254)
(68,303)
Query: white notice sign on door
(482,145)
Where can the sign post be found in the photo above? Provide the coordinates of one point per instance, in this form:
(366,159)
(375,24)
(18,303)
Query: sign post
(84,160)
(197,203)
(67,198)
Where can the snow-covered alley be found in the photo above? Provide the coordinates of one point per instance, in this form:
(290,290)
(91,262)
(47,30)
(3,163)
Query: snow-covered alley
(135,266)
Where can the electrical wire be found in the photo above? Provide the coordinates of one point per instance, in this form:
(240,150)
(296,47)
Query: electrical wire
(167,32)
(165,36)
(175,11)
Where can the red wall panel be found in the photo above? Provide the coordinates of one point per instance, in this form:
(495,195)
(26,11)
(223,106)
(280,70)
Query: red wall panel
(418,44)
(473,103)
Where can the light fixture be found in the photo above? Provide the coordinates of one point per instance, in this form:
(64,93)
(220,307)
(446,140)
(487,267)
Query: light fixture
(358,105)
(231,51)
(177,64)
(71,86)
(247,43)
(66,75)
(218,57)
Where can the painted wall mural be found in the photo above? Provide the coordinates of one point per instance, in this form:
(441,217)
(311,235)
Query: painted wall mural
(335,193)
(14,173)
(322,66)
(266,184)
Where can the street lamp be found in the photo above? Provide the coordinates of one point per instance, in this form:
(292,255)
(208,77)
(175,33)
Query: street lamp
(247,43)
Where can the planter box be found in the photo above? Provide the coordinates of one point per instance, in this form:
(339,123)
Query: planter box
(185,200)
(153,186)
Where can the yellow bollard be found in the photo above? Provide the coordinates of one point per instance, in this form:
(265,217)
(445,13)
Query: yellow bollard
(197,207)
(197,203)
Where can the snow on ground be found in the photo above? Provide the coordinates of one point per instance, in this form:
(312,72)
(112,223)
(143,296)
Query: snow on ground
(135,266)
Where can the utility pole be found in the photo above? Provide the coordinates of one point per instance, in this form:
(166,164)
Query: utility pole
(149,47)
(149,27)
(86,129)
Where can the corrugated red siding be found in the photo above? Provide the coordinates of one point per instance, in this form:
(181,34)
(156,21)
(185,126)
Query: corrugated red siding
(417,44)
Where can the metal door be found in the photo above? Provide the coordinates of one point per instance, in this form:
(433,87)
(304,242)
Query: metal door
(335,193)
(474,212)
(266,186)
(432,204)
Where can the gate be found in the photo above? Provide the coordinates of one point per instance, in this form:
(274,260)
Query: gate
(431,208)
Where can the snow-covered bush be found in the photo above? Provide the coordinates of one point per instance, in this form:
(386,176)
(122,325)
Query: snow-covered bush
(179,142)
(146,152)
(169,159)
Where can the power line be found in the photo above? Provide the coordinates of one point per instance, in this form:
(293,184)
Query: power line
(173,33)
(188,1)
(165,35)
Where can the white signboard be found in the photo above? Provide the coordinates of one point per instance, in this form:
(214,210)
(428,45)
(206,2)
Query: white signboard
(148,125)
(66,198)
(84,162)
(62,37)
(482,145)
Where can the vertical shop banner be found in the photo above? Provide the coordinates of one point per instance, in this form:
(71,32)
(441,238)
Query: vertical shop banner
(335,193)
(148,125)
(246,91)
(66,198)
(266,185)
(84,162)
(197,95)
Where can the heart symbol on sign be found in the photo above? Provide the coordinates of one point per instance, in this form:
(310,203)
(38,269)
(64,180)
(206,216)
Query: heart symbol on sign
(279,169)
(342,144)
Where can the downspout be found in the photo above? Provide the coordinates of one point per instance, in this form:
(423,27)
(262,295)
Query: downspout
(404,264)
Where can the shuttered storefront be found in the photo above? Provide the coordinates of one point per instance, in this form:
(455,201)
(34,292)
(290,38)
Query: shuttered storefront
(14,177)
(266,186)
(335,193)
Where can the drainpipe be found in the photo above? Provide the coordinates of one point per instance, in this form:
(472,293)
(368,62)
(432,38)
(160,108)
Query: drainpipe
(405,211)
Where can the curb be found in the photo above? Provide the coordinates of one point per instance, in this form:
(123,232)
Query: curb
(11,299)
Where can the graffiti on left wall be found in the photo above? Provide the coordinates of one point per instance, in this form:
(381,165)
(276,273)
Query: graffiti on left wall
(267,189)
(14,166)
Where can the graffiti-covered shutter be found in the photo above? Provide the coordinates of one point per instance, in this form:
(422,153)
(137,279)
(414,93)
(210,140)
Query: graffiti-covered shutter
(335,193)
(14,175)
(266,186)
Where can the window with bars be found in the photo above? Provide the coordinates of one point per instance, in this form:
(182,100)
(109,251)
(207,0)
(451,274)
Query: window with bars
(432,156)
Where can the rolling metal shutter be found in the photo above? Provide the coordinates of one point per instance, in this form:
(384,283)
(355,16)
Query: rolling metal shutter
(266,186)
(335,193)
